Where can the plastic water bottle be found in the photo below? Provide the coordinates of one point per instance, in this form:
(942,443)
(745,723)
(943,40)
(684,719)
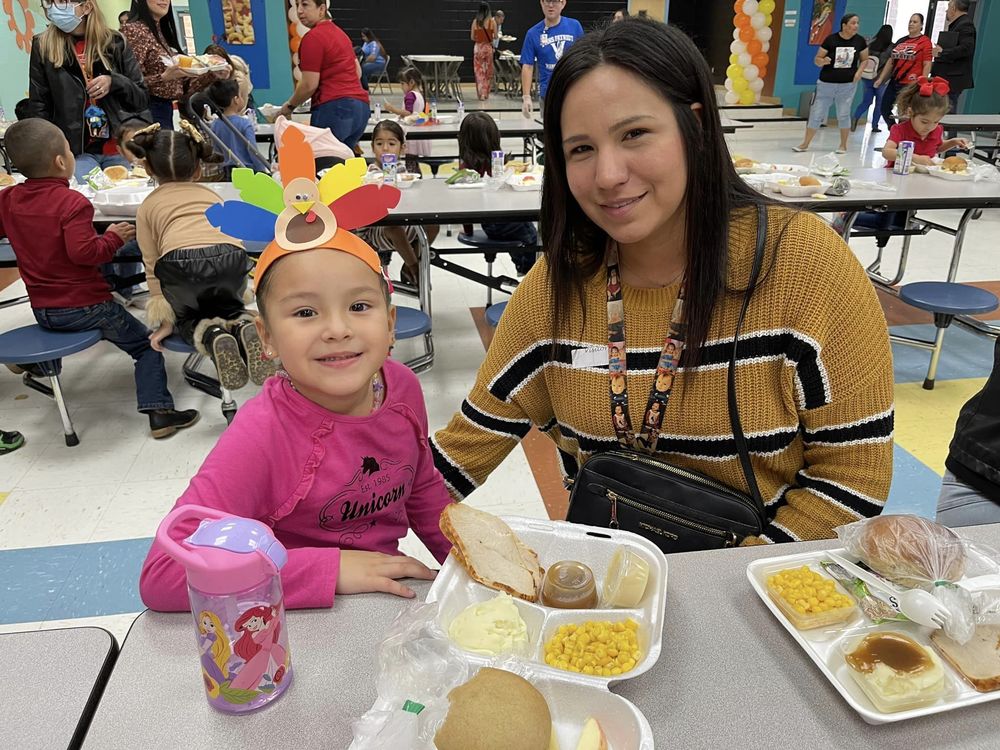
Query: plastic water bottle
(434,109)
(461,110)
(496,169)
(234,585)
(378,111)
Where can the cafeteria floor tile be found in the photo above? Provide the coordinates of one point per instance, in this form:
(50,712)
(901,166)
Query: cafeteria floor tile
(76,524)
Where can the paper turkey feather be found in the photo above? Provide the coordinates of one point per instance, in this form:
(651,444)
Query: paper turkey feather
(242,220)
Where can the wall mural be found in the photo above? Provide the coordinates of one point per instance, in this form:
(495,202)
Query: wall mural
(751,43)
(20,21)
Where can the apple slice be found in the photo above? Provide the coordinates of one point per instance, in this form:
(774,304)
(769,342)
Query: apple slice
(592,737)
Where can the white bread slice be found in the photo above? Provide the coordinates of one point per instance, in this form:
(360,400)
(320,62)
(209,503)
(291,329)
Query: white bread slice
(490,551)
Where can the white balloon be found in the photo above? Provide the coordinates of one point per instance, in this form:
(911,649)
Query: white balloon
(751,72)
(737,47)
(765,46)
(736,34)
(301,29)
(750,7)
(729,84)
(745,59)
(732,97)
(295,59)
(757,85)
(296,73)
(764,34)
(757,20)
(292,15)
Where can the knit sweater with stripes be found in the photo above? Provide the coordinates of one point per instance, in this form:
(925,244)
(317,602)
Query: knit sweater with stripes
(814,382)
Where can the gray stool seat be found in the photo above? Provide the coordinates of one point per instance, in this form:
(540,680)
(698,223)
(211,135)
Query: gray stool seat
(493,313)
(945,299)
(37,345)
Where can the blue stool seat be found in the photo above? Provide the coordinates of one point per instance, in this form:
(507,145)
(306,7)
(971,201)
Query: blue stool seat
(493,313)
(203,382)
(175,343)
(7,259)
(479,239)
(948,298)
(39,345)
(411,322)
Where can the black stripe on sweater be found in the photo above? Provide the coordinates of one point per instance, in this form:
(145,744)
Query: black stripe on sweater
(875,429)
(516,429)
(776,535)
(785,344)
(451,473)
(858,504)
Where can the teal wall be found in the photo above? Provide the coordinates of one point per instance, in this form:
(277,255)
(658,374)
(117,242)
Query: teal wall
(279,58)
(872,13)
(985,98)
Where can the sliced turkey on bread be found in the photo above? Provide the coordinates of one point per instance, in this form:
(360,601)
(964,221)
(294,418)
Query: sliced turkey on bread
(490,551)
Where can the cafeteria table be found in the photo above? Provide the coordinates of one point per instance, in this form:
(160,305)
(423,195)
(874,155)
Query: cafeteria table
(728,676)
(977,125)
(437,83)
(51,684)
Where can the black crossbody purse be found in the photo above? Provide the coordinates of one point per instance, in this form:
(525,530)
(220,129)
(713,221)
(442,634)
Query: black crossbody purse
(678,509)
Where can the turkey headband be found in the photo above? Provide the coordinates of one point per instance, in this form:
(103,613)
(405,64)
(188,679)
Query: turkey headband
(301,213)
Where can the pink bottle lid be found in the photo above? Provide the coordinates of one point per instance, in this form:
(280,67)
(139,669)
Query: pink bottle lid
(226,554)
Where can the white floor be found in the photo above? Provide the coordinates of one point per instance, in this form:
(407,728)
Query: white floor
(118,483)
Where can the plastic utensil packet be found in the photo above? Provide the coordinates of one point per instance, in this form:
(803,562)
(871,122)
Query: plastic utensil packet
(417,667)
(870,185)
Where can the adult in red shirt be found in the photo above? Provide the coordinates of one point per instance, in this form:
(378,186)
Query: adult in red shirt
(911,58)
(331,75)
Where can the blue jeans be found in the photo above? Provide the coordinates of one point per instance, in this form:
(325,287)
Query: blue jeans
(162,111)
(827,94)
(892,90)
(125,332)
(370,70)
(346,118)
(86,162)
(124,265)
(869,95)
(522,231)
(962,505)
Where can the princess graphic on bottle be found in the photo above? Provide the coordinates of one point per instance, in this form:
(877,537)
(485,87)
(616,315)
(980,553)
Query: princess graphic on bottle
(215,651)
(258,646)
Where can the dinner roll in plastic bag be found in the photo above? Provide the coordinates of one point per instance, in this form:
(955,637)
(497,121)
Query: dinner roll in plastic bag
(913,552)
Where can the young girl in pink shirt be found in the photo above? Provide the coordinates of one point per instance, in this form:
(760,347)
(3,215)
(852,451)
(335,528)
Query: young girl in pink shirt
(333,453)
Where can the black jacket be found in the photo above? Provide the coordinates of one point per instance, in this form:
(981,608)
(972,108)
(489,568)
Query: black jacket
(974,455)
(955,63)
(59,94)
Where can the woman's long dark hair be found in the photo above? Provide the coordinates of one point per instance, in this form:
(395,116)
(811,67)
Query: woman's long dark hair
(665,59)
(882,39)
(369,36)
(167,26)
(483,13)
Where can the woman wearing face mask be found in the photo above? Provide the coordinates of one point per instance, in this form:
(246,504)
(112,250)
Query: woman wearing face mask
(152,35)
(84,79)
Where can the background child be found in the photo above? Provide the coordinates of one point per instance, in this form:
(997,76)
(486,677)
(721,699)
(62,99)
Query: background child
(196,274)
(478,137)
(412,84)
(51,229)
(226,96)
(387,138)
(925,104)
(332,454)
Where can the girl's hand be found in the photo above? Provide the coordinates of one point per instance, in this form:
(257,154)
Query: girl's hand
(157,336)
(362,571)
(99,87)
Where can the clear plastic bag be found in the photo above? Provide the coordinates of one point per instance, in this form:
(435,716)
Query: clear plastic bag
(912,552)
(417,668)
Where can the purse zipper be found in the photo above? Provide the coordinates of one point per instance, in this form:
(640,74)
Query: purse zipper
(688,475)
(614,498)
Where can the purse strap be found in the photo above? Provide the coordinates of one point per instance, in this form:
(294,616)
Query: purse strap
(734,412)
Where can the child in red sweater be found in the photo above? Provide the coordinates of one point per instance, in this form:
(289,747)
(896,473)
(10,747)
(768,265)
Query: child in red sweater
(51,229)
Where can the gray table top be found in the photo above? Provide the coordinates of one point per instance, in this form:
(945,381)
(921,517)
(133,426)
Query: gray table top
(48,684)
(728,675)
(972,122)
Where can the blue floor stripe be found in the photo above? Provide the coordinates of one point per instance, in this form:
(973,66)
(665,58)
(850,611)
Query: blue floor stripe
(915,487)
(965,354)
(74,580)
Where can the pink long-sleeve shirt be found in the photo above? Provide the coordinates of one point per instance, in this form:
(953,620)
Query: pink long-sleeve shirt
(323,481)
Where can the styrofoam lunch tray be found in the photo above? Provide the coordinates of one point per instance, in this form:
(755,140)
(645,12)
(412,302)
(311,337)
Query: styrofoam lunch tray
(122,201)
(572,697)
(823,646)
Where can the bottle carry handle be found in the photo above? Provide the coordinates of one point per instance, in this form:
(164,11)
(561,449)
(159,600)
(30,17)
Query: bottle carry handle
(178,515)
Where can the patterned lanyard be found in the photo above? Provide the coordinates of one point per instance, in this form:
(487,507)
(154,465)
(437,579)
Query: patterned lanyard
(659,394)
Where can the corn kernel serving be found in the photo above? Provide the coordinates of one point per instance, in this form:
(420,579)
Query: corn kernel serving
(806,591)
(604,649)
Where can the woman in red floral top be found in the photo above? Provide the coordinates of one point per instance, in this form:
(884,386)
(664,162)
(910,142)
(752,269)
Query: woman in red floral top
(152,35)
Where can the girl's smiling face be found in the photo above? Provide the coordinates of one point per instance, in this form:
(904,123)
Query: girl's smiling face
(255,623)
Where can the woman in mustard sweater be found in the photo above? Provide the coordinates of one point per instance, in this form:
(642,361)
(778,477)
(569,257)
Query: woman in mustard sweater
(639,184)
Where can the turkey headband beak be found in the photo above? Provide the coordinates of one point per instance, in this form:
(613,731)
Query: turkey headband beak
(343,241)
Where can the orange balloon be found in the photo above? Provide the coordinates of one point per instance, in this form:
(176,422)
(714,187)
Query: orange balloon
(738,6)
(293,44)
(742,21)
(746,34)
(754,47)
(760,60)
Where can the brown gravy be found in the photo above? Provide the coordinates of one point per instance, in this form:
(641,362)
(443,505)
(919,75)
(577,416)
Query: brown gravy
(894,650)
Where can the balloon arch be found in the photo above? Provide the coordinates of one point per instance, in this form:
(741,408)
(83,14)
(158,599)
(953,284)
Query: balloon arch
(751,44)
